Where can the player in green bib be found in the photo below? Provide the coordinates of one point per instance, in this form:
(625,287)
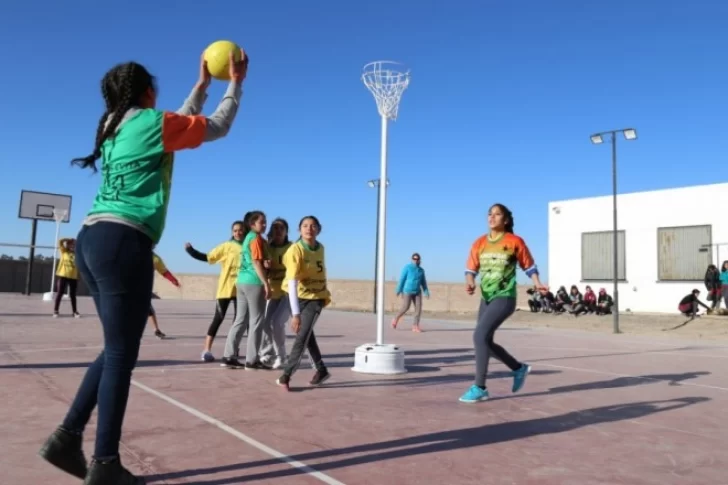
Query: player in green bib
(136,144)
(253,291)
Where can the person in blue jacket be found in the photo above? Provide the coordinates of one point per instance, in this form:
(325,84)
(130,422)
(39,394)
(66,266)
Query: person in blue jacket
(412,284)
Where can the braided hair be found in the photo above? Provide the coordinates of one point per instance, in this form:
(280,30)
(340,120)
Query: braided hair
(507,217)
(123,88)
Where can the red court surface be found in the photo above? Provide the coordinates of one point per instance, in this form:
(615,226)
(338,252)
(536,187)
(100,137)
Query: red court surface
(597,409)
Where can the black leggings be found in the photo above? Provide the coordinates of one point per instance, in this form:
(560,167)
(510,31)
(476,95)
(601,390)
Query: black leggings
(221,307)
(490,317)
(61,285)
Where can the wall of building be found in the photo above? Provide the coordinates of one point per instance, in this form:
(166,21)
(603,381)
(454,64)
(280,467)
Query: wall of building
(640,216)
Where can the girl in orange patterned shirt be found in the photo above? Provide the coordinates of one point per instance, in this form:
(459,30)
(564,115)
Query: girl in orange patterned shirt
(494,256)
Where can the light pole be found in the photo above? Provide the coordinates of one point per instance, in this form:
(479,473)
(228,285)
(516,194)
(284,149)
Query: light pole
(597,139)
(372,184)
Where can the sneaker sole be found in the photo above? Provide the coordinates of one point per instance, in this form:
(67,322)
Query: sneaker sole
(473,401)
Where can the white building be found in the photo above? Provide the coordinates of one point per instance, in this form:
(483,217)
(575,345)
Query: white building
(667,238)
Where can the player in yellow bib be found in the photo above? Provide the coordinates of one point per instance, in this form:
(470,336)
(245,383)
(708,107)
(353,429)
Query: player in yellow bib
(227,255)
(308,294)
(67,275)
(278,310)
(160,268)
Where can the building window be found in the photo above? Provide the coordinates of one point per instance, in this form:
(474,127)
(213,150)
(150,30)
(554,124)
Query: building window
(597,256)
(683,253)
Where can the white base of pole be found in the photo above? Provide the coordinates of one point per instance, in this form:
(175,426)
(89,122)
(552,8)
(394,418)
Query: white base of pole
(379,359)
(51,295)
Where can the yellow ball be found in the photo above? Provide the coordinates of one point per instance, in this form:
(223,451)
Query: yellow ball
(217,56)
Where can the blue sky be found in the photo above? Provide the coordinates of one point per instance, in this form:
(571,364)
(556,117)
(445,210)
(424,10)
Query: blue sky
(503,98)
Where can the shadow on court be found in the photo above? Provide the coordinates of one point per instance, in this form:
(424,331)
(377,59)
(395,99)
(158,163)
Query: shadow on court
(443,441)
(428,380)
(619,382)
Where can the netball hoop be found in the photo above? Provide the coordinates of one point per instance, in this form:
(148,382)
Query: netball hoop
(386,81)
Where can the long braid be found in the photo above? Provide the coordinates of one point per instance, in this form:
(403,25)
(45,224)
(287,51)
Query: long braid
(115,107)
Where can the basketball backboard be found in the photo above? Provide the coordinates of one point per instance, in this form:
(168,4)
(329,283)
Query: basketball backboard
(40,205)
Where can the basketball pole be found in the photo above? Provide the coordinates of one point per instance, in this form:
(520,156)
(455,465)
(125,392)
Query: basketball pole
(381,230)
(31,257)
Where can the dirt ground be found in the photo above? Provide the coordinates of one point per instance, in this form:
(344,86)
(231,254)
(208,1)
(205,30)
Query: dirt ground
(707,327)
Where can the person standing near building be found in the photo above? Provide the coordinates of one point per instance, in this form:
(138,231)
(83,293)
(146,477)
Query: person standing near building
(723,278)
(412,284)
(713,285)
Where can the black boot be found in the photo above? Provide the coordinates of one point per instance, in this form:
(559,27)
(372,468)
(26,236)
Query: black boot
(63,449)
(111,473)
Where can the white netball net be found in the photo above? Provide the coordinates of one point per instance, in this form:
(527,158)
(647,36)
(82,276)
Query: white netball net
(59,214)
(387,81)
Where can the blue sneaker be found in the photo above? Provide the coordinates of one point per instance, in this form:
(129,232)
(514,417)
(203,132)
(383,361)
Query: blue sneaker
(474,394)
(519,377)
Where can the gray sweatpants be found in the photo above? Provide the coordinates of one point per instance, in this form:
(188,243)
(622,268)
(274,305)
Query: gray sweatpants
(490,317)
(407,301)
(277,314)
(250,316)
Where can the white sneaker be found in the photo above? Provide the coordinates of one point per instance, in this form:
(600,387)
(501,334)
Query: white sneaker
(278,363)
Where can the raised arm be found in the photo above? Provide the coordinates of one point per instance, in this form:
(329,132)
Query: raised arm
(199,256)
(182,131)
(62,245)
(195,101)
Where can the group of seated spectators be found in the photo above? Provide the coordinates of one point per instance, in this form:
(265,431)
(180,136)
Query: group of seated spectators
(572,302)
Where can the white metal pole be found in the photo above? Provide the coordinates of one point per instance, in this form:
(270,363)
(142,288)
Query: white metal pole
(55,251)
(382,231)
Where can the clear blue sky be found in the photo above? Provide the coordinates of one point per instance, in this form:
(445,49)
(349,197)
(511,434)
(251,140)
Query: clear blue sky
(503,98)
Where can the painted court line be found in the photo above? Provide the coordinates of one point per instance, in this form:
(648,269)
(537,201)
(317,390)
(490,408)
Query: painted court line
(592,371)
(241,436)
(677,351)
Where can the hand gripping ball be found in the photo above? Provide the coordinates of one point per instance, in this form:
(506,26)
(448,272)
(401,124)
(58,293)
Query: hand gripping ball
(217,55)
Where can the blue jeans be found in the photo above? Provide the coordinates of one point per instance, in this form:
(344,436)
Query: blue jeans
(115,261)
